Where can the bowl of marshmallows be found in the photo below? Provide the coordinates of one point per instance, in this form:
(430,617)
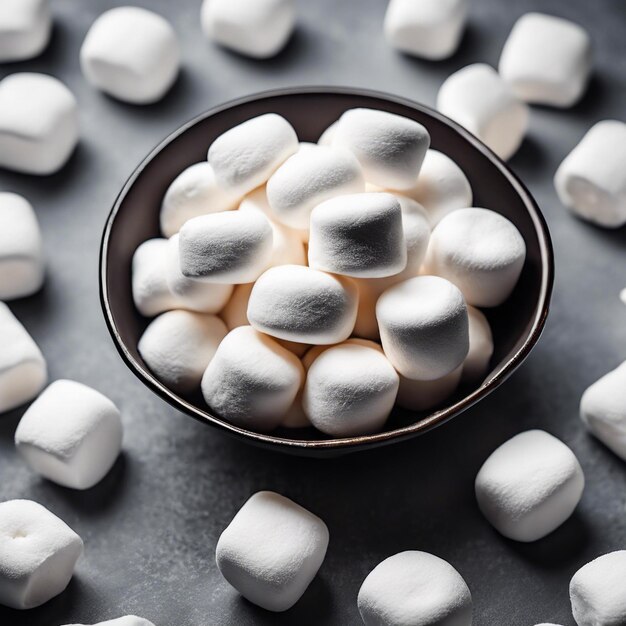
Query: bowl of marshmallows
(322,271)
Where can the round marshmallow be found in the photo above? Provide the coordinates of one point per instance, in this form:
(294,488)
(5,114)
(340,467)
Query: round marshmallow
(304,305)
(480,251)
(421,395)
(415,588)
(132,68)
(127,620)
(529,486)
(25,27)
(477,360)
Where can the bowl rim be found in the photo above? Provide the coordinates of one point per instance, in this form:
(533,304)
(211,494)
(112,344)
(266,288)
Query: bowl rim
(360,442)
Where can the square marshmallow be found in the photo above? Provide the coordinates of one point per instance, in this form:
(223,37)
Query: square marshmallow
(25,27)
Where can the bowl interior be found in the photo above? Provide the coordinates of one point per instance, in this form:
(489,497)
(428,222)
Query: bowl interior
(516,325)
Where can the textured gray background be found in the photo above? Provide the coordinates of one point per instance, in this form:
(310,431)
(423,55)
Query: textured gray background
(151,526)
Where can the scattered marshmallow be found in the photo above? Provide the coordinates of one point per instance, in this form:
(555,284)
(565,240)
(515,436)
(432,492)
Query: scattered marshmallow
(71,435)
(415,588)
(478,99)
(21,251)
(591,181)
(421,395)
(430,29)
(480,251)
(127,620)
(546,60)
(38,123)
(132,68)
(25,27)
(477,360)
(272,550)
(38,552)
(252,380)
(235,313)
(23,372)
(529,486)
(326,138)
(255,28)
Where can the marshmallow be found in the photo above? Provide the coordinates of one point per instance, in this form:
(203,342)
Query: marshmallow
(255,28)
(591,181)
(25,27)
(430,29)
(295,416)
(480,251)
(127,620)
(21,252)
(421,395)
(38,552)
(478,99)
(229,247)
(71,435)
(597,591)
(178,345)
(477,360)
(301,304)
(271,550)
(38,123)
(252,380)
(423,327)
(415,588)
(245,156)
(546,60)
(326,138)
(603,410)
(389,147)
(23,372)
(235,313)
(132,68)
(307,179)
(529,486)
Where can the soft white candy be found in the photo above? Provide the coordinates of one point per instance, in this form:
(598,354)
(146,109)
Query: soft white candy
(326,138)
(301,304)
(591,181)
(478,99)
(178,345)
(71,434)
(389,147)
(480,346)
(421,395)
(480,251)
(25,27)
(310,177)
(23,371)
(38,123)
(597,591)
(271,550)
(21,251)
(529,486)
(38,552)
(235,313)
(245,156)
(415,588)
(131,54)
(423,327)
(546,60)
(430,29)
(127,620)
(252,380)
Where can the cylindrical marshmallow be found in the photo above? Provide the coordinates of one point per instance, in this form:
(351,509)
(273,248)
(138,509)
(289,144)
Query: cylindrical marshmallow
(127,620)
(421,395)
(25,27)
(477,360)
(326,138)
(235,312)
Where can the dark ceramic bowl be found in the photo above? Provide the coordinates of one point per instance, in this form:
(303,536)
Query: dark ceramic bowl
(134,218)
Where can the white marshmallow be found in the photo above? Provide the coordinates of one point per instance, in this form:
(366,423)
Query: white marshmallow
(591,181)
(38,553)
(271,550)
(546,60)
(529,486)
(21,250)
(421,395)
(478,99)
(71,435)
(307,179)
(38,123)
(415,588)
(127,620)
(132,68)
(480,251)
(25,27)
(301,304)
(245,156)
(235,313)
(295,416)
(423,327)
(389,147)
(603,410)
(255,28)
(326,138)
(597,591)
(178,345)
(430,29)
(252,380)
(477,360)
(23,372)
